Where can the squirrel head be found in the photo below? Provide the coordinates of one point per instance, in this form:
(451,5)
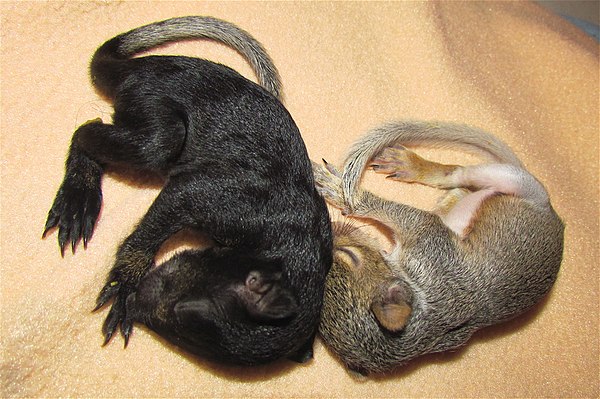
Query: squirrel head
(364,301)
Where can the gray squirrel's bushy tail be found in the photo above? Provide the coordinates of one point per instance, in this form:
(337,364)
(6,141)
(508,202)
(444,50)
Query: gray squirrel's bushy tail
(106,66)
(430,134)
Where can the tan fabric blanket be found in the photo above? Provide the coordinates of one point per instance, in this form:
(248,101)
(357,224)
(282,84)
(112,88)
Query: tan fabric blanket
(512,68)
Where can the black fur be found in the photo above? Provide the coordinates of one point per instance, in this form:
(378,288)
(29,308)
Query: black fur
(237,170)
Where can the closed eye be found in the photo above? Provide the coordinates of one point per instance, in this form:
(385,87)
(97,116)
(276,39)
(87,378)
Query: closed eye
(349,255)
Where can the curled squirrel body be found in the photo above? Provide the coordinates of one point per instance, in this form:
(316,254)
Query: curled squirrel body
(236,170)
(489,251)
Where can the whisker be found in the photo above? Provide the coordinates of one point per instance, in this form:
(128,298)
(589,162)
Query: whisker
(347,226)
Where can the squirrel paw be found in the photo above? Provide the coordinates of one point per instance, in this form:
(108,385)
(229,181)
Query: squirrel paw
(329,184)
(400,164)
(118,314)
(403,165)
(74,211)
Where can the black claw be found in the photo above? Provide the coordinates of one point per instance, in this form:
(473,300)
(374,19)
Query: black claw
(127,323)
(126,328)
(112,321)
(108,291)
(62,246)
(107,338)
(74,241)
(118,314)
(101,301)
(75,235)
(74,211)
(87,231)
(63,235)
(51,223)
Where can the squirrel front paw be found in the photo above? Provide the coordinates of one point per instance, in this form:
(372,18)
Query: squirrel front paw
(117,314)
(329,184)
(74,212)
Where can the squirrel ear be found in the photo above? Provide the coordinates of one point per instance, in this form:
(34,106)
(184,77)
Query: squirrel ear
(392,307)
(266,299)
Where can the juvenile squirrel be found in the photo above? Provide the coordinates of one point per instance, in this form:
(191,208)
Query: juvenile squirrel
(489,251)
(236,169)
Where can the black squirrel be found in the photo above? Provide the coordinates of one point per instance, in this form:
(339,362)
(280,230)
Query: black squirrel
(236,169)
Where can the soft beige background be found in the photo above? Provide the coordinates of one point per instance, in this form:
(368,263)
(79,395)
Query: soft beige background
(512,68)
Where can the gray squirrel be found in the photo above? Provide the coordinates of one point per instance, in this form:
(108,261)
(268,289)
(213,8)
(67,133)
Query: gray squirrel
(490,250)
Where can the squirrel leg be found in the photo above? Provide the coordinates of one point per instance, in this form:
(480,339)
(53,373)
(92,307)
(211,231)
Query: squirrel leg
(329,184)
(135,258)
(401,164)
(449,200)
(458,207)
(400,218)
(470,185)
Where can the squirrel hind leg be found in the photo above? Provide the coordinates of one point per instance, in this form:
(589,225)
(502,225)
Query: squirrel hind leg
(503,179)
(447,201)
(460,217)
(487,180)
(402,164)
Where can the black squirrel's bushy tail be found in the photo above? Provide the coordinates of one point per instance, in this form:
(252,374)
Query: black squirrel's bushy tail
(106,66)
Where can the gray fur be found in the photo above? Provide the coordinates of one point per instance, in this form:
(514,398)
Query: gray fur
(409,133)
(201,27)
(454,284)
